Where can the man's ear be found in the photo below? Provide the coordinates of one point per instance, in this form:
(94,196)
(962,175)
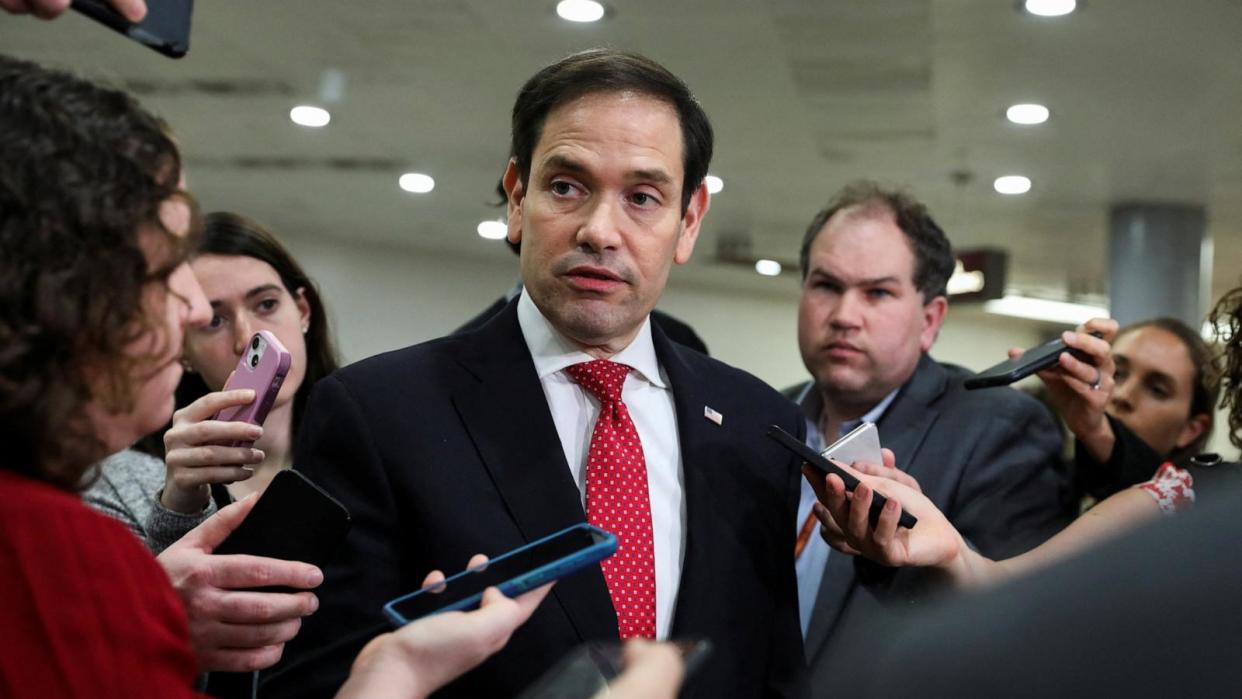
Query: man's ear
(691,221)
(934,313)
(515,193)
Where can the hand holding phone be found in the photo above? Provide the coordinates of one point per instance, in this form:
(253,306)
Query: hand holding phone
(1032,361)
(824,466)
(525,568)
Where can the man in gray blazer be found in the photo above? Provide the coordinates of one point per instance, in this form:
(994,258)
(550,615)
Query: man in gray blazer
(875,266)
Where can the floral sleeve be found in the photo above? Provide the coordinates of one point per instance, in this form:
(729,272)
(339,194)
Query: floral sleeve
(1172,487)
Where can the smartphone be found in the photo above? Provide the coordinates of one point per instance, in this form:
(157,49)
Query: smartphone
(588,669)
(262,367)
(860,444)
(294,520)
(1032,361)
(550,558)
(166,28)
(825,466)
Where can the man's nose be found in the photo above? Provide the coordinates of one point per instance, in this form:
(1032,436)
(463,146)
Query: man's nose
(601,228)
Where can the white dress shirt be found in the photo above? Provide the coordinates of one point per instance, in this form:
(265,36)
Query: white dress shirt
(649,399)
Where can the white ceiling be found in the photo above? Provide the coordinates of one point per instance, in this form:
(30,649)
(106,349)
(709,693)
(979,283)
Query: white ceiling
(1145,99)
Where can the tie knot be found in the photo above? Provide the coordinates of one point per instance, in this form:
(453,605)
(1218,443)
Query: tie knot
(601,377)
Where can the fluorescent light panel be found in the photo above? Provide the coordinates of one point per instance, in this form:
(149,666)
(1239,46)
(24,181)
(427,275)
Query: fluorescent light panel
(1044,309)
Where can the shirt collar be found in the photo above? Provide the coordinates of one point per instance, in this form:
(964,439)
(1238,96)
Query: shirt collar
(552,351)
(812,402)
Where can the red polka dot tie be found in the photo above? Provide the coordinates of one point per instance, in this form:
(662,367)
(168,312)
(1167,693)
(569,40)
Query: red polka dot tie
(617,499)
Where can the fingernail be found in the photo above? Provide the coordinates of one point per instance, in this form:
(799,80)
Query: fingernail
(314,604)
(254,431)
(257,454)
(314,577)
(1067,336)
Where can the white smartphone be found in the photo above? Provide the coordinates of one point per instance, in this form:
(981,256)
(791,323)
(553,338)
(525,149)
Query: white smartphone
(860,444)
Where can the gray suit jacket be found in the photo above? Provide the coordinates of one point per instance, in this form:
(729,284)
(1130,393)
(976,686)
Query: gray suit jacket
(989,459)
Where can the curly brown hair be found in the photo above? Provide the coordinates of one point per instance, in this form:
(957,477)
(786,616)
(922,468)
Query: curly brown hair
(1226,319)
(83,172)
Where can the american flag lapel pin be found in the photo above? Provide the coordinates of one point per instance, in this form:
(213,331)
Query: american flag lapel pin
(712,415)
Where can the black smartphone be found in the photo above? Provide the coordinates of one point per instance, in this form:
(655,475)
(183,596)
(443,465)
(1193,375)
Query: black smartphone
(825,466)
(1032,361)
(294,520)
(166,28)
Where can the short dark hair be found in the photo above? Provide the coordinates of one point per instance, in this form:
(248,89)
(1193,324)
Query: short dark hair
(83,171)
(933,256)
(1206,388)
(227,233)
(605,70)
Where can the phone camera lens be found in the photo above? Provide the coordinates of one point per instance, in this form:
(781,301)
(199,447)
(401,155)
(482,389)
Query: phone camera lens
(254,344)
(254,360)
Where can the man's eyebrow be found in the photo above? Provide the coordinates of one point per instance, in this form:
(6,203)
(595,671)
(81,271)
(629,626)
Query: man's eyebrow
(656,176)
(558,161)
(563,162)
(876,281)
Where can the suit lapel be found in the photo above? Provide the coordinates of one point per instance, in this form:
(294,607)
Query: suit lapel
(506,415)
(905,424)
(903,428)
(694,432)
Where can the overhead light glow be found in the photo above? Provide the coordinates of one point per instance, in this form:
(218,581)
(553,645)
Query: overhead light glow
(306,115)
(768,268)
(493,230)
(714,184)
(1012,184)
(580,10)
(416,182)
(1044,309)
(1050,8)
(1027,114)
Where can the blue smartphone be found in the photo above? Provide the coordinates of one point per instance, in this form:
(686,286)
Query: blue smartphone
(522,569)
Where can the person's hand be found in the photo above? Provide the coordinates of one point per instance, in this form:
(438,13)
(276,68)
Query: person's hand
(132,10)
(194,455)
(1079,391)
(231,628)
(845,524)
(652,671)
(428,653)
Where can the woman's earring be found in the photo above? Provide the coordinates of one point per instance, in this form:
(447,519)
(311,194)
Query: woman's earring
(185,366)
(305,329)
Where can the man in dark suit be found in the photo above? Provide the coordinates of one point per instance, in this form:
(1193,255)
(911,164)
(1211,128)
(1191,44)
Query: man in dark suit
(875,266)
(485,441)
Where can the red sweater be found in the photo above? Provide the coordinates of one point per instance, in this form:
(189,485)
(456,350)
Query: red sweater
(84,608)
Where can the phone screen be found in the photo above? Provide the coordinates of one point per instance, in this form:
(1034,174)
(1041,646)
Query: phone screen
(541,561)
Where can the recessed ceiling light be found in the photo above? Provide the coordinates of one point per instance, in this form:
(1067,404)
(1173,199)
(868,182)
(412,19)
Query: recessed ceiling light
(1050,8)
(1012,184)
(768,268)
(1044,309)
(416,182)
(493,230)
(580,10)
(306,115)
(714,184)
(1027,114)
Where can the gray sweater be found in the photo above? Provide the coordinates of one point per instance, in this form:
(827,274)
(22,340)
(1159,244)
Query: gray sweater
(128,490)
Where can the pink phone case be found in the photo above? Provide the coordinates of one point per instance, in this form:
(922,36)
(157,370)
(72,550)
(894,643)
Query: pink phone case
(262,367)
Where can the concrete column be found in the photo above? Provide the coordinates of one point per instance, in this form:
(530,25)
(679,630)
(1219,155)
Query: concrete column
(1160,262)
